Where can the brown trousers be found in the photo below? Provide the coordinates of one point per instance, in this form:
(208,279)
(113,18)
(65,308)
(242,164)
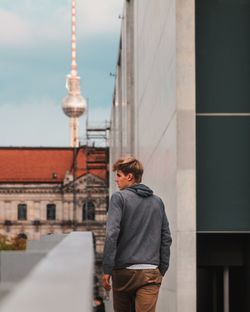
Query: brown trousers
(135,290)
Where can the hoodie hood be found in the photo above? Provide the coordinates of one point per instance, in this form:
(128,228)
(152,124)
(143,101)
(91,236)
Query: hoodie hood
(141,190)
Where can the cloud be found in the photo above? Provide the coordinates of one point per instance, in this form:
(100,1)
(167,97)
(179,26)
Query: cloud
(33,22)
(33,125)
(14,30)
(99,16)
(43,123)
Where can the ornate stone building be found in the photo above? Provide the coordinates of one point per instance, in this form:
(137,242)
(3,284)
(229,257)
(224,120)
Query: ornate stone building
(53,190)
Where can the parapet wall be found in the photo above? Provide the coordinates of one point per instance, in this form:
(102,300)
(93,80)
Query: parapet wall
(60,277)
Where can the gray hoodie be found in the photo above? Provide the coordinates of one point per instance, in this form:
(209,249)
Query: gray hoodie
(137,230)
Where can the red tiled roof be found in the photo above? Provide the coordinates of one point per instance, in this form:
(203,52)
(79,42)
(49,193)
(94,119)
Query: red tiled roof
(41,164)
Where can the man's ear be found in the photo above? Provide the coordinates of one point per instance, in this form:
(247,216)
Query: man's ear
(130,176)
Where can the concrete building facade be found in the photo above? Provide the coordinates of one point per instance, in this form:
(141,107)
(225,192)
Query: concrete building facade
(180,97)
(156,123)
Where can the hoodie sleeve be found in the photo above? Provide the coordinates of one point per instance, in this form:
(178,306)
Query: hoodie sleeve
(166,241)
(112,232)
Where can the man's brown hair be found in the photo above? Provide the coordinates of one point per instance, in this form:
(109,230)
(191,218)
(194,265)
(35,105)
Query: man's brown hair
(129,164)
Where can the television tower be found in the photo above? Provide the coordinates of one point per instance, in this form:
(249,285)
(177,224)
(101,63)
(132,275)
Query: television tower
(74,104)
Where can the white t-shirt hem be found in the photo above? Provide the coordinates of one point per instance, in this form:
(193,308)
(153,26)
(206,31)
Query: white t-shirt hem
(141,266)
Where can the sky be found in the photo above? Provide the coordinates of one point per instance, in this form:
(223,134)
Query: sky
(35,58)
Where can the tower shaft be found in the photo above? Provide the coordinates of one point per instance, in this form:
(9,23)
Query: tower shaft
(74,132)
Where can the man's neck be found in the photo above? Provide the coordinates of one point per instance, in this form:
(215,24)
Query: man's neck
(131,184)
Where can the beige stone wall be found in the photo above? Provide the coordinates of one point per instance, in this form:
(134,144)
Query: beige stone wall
(36,197)
(164,127)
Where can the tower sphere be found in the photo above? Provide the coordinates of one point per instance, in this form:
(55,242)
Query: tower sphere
(74,105)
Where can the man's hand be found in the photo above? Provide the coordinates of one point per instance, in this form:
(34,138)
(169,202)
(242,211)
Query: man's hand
(106,281)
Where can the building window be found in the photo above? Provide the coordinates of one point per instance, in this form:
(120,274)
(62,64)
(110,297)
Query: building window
(22,212)
(88,212)
(22,235)
(51,212)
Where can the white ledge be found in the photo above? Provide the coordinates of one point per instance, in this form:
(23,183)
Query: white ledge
(61,281)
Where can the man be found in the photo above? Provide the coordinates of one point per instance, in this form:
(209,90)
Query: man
(137,246)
